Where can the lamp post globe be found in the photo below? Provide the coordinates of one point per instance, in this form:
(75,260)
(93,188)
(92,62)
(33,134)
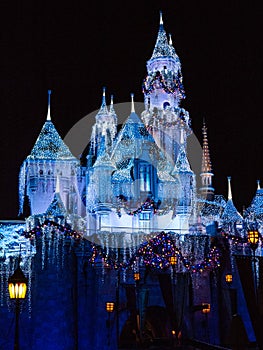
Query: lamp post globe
(17,287)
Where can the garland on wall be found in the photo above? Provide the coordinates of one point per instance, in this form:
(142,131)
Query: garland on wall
(154,253)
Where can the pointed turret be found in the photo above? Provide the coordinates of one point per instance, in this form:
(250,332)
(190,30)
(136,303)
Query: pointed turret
(163,86)
(103,108)
(182,164)
(56,208)
(112,110)
(49,145)
(230,214)
(163,91)
(161,46)
(50,156)
(207,191)
(255,210)
(105,127)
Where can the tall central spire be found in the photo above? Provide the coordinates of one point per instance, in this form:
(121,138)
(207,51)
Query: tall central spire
(206,190)
(162,47)
(206,162)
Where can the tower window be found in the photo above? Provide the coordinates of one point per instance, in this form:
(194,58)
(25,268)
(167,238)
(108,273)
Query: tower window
(166,105)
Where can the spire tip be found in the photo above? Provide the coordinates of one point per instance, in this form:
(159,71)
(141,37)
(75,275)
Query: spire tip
(170,39)
(48,105)
(132,103)
(229,188)
(161,17)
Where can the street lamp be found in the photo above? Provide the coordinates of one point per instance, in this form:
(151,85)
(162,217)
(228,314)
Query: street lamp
(110,306)
(17,286)
(253,239)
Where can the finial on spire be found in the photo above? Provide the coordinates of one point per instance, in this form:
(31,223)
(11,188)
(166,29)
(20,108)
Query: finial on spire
(170,39)
(258,184)
(103,108)
(111,100)
(229,197)
(58,184)
(48,105)
(161,17)
(132,103)
(103,95)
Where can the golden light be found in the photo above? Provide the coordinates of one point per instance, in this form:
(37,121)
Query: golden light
(229,278)
(110,306)
(173,332)
(253,237)
(136,276)
(206,308)
(17,285)
(173,260)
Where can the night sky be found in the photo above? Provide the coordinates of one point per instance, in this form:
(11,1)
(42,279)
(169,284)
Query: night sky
(78,48)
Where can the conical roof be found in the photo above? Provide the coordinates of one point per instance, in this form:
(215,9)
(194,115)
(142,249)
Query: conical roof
(103,159)
(230,213)
(49,145)
(103,108)
(182,163)
(56,207)
(162,47)
(256,206)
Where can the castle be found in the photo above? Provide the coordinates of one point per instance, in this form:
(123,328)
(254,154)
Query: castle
(129,225)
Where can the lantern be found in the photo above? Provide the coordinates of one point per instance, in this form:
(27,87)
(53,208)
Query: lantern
(136,276)
(229,278)
(110,306)
(17,285)
(253,238)
(173,260)
(206,308)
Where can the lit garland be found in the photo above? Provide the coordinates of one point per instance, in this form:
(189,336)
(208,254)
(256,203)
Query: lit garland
(65,230)
(149,204)
(158,250)
(157,80)
(156,254)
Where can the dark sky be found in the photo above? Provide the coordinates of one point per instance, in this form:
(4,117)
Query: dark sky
(77,48)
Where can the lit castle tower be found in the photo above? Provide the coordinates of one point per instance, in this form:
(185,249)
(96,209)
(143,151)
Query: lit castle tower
(105,128)
(168,123)
(163,90)
(49,158)
(206,191)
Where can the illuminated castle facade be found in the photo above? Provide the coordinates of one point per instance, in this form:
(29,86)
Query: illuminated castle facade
(131,175)
(133,209)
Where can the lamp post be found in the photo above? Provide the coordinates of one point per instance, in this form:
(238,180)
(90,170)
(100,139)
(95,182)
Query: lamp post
(109,308)
(173,262)
(253,239)
(17,286)
(137,277)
